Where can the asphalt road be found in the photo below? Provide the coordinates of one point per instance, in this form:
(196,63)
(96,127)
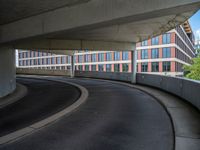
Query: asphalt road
(115,117)
(44,98)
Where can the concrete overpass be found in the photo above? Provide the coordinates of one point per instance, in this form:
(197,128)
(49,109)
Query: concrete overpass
(78,24)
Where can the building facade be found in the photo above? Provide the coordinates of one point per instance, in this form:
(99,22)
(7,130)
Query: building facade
(165,54)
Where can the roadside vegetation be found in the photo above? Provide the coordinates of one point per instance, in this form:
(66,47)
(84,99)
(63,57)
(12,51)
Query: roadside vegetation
(193,71)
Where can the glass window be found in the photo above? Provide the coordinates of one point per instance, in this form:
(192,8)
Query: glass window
(20,55)
(155,41)
(109,56)
(48,61)
(116,68)
(144,67)
(94,67)
(155,66)
(166,38)
(43,61)
(101,68)
(69,59)
(117,56)
(166,52)
(62,67)
(86,58)
(80,58)
(27,62)
(32,62)
(125,67)
(35,62)
(94,58)
(34,54)
(52,60)
(39,61)
(155,53)
(24,63)
(86,67)
(101,57)
(26,54)
(63,59)
(166,66)
(39,54)
(144,54)
(108,68)
(58,60)
(144,43)
(125,55)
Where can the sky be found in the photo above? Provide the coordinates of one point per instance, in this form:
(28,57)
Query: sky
(195,24)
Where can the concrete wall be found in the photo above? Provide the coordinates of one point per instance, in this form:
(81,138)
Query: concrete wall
(7,71)
(43,72)
(104,75)
(184,88)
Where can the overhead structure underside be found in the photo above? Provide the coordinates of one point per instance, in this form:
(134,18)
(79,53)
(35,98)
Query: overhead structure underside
(80,21)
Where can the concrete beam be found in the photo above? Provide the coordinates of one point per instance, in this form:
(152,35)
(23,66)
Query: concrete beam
(54,45)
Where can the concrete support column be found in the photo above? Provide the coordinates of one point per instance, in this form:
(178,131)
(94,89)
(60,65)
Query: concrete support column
(7,71)
(134,63)
(72,66)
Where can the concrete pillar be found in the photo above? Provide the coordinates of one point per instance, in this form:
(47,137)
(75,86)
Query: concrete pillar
(72,66)
(7,71)
(134,64)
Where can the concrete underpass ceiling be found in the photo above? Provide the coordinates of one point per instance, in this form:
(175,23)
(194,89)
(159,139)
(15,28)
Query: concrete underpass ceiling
(12,10)
(88,20)
(131,32)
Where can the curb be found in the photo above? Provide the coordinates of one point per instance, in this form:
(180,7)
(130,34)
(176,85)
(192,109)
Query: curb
(19,93)
(38,125)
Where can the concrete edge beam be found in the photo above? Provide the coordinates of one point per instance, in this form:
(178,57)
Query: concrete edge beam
(55,44)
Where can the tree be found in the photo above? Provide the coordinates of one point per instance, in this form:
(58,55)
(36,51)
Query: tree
(198,51)
(194,69)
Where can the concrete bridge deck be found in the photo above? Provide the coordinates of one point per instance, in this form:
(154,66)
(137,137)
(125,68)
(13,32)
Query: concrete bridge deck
(114,117)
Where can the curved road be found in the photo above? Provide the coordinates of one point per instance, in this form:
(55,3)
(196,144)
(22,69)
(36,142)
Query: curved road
(115,117)
(44,98)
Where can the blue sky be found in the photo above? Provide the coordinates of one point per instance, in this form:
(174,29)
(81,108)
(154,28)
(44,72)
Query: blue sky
(195,24)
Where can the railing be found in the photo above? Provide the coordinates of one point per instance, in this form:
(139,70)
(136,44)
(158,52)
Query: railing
(188,90)
(31,71)
(104,75)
